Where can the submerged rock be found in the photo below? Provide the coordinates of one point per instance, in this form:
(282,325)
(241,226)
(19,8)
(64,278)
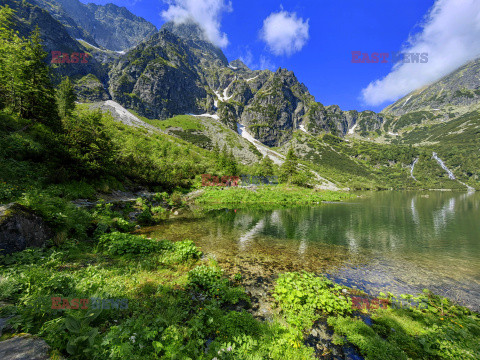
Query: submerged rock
(21,228)
(24,348)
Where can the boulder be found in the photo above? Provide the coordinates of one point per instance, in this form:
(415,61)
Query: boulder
(20,228)
(24,348)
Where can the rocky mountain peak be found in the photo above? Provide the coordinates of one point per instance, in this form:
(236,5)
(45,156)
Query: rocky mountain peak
(187,30)
(238,64)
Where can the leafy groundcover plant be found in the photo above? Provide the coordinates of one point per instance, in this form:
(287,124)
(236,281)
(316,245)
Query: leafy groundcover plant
(431,327)
(179,306)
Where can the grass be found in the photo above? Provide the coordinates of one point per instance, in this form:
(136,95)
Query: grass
(427,326)
(364,165)
(175,305)
(456,143)
(178,306)
(269,195)
(186,122)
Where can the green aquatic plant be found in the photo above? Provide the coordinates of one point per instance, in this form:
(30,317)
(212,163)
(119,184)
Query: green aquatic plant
(120,244)
(303,297)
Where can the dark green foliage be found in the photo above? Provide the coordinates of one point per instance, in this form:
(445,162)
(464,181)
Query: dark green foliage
(120,244)
(371,345)
(411,119)
(191,136)
(266,166)
(290,167)
(66,98)
(210,281)
(39,97)
(25,86)
(302,296)
(89,145)
(61,215)
(227,163)
(302,178)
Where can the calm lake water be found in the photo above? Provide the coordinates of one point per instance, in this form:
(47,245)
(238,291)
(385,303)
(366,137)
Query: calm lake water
(383,241)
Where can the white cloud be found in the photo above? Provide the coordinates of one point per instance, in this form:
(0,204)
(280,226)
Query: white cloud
(263,63)
(266,64)
(207,13)
(285,33)
(450,35)
(247,59)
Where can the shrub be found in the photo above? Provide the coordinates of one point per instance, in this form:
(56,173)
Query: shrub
(210,281)
(145,217)
(61,215)
(120,244)
(371,345)
(302,295)
(123,225)
(179,252)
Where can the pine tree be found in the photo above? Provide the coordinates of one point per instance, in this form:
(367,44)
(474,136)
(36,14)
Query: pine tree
(232,166)
(66,97)
(266,166)
(12,62)
(25,84)
(38,101)
(223,158)
(289,168)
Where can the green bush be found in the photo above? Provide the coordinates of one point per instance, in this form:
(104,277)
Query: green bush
(181,251)
(210,281)
(371,345)
(123,225)
(145,217)
(235,323)
(120,244)
(302,296)
(60,214)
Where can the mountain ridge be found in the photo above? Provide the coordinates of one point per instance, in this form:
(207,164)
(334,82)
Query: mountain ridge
(111,26)
(176,71)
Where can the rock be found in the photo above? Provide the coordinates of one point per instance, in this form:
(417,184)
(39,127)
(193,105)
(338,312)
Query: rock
(24,348)
(21,228)
(158,79)
(133,215)
(89,88)
(3,324)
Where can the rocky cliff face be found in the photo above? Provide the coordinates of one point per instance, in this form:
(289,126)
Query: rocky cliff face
(178,71)
(159,79)
(55,38)
(457,92)
(20,228)
(59,14)
(277,108)
(113,27)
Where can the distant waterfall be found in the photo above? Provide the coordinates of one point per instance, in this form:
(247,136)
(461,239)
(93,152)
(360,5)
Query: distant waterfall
(413,167)
(444,167)
(450,174)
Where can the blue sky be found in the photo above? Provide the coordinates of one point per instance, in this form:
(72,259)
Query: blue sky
(315,39)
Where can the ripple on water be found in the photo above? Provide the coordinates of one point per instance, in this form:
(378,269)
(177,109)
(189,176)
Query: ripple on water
(400,242)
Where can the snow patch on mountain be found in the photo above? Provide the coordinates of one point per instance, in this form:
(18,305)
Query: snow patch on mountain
(352,130)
